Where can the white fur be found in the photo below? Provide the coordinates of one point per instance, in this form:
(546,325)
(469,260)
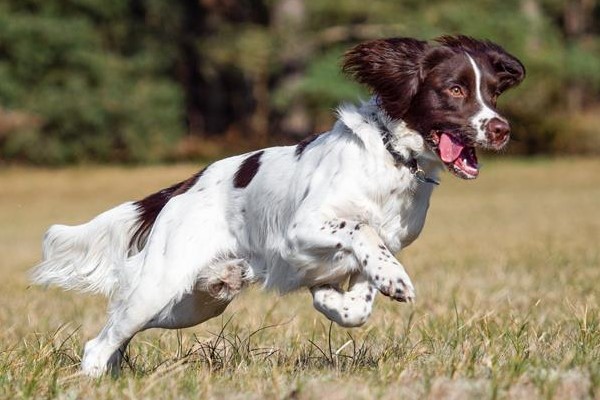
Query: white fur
(339,211)
(485,113)
(88,257)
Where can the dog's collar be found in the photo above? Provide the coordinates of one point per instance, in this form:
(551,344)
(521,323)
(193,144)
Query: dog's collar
(400,160)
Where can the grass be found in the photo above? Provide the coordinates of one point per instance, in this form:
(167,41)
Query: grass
(506,271)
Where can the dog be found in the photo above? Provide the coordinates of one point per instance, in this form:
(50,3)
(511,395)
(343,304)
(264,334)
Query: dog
(327,214)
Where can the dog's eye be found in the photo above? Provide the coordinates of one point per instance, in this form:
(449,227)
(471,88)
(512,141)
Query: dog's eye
(456,91)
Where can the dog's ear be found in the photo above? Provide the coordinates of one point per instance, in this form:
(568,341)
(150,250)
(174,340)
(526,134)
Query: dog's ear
(392,68)
(509,70)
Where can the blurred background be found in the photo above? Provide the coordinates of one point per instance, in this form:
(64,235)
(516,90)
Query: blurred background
(134,81)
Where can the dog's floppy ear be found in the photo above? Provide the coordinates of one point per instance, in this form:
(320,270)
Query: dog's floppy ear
(509,70)
(392,68)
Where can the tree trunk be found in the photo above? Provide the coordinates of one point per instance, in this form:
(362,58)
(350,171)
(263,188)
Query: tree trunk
(289,19)
(193,25)
(576,16)
(531,10)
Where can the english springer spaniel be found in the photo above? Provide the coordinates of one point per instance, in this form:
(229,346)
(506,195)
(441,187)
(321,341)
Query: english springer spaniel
(332,209)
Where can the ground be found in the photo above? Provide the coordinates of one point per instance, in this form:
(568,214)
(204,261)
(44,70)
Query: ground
(506,272)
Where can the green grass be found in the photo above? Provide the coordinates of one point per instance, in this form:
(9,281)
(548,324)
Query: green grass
(506,271)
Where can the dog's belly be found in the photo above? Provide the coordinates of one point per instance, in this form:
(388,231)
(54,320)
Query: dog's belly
(284,277)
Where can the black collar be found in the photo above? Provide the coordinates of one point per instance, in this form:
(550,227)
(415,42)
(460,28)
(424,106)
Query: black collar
(410,163)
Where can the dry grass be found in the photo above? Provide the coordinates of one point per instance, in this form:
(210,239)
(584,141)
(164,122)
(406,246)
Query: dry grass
(507,274)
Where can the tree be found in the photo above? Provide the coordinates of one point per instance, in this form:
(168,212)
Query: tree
(136,80)
(86,77)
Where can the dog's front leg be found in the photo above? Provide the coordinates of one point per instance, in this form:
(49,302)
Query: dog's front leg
(381,267)
(308,243)
(350,308)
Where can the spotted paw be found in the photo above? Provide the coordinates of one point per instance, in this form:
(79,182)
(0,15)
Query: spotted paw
(400,289)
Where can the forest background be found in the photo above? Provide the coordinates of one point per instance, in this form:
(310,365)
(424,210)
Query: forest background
(134,81)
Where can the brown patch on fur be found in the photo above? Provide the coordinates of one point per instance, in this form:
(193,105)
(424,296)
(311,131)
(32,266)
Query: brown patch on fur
(150,206)
(300,147)
(247,170)
(391,67)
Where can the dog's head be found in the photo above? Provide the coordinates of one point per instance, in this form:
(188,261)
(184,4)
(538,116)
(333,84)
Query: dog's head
(446,91)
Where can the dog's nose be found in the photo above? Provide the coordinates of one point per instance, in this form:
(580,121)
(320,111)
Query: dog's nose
(498,130)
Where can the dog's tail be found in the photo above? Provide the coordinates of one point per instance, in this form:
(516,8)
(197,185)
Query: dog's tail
(90,257)
(87,257)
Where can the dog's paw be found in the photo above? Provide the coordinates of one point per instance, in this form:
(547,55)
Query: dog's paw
(94,363)
(399,289)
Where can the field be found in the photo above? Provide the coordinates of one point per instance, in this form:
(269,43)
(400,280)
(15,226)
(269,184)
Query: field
(507,273)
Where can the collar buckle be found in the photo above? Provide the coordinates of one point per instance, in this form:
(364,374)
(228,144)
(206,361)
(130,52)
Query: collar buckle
(418,173)
(411,163)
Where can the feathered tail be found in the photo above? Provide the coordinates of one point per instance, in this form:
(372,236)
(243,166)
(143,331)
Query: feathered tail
(90,257)
(87,257)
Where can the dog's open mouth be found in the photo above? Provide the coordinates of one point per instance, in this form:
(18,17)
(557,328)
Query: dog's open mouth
(459,158)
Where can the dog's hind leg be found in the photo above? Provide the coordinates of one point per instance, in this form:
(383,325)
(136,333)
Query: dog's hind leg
(165,276)
(217,285)
(350,308)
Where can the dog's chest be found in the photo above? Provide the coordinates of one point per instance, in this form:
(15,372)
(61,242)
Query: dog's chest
(402,215)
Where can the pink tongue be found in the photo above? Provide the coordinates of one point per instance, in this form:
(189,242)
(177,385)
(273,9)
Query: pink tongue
(449,148)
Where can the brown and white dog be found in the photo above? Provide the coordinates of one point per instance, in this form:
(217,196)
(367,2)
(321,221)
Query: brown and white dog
(333,208)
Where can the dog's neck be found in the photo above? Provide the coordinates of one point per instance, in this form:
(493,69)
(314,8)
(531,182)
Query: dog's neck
(405,145)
